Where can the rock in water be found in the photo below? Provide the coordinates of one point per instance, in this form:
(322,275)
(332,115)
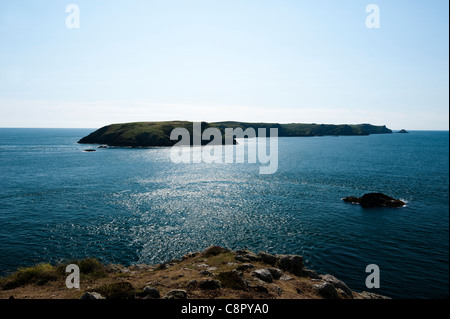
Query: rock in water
(374,200)
(403,131)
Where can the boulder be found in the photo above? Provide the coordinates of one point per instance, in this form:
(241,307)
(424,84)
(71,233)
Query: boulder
(241,259)
(268,258)
(338,284)
(209,284)
(176,294)
(245,266)
(245,255)
(192,284)
(374,200)
(275,272)
(310,274)
(326,290)
(263,274)
(205,273)
(232,279)
(290,263)
(151,292)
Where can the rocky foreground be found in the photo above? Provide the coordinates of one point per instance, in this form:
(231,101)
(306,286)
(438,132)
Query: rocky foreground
(214,273)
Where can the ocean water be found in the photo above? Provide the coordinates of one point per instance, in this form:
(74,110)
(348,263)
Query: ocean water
(135,206)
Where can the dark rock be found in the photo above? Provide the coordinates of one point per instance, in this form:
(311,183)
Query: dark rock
(232,279)
(151,292)
(89,150)
(326,290)
(275,272)
(403,131)
(245,266)
(290,263)
(252,257)
(310,273)
(263,274)
(102,146)
(176,294)
(192,284)
(205,273)
(244,254)
(268,258)
(242,258)
(338,284)
(214,251)
(259,288)
(92,295)
(209,284)
(375,200)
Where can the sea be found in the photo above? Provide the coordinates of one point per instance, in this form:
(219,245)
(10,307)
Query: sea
(134,206)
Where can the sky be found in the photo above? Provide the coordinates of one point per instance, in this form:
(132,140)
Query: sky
(285,61)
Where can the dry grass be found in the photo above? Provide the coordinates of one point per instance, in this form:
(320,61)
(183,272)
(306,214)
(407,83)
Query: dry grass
(47,282)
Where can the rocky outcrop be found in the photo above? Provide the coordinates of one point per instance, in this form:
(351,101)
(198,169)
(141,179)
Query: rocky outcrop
(375,200)
(214,273)
(403,131)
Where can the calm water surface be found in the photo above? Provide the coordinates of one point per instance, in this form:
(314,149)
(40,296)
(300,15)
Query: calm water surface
(135,206)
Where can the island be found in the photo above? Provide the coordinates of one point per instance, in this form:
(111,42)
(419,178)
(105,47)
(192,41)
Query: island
(403,131)
(152,134)
(375,200)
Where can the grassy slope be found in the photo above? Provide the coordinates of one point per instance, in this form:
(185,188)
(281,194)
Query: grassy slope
(144,134)
(45,281)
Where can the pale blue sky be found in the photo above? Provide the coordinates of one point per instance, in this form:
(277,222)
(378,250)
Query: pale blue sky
(243,60)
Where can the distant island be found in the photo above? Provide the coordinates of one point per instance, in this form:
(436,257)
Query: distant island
(148,134)
(403,131)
